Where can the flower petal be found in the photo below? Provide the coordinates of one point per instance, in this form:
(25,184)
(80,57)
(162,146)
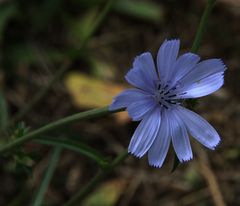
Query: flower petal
(143,74)
(145,133)
(199,128)
(158,151)
(166,59)
(146,64)
(205,86)
(180,138)
(126,98)
(138,109)
(184,64)
(202,70)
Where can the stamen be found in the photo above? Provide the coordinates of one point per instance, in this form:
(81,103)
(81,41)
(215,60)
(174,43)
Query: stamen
(182,93)
(174,95)
(165,86)
(165,106)
(164,95)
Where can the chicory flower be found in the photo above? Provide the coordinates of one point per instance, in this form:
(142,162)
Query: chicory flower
(157,101)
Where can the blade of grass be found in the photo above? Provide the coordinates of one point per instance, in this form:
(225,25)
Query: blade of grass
(140,9)
(145,10)
(202,25)
(76,147)
(39,196)
(3,112)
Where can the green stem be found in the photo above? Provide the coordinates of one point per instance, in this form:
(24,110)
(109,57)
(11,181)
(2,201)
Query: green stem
(202,25)
(42,93)
(38,199)
(94,113)
(81,194)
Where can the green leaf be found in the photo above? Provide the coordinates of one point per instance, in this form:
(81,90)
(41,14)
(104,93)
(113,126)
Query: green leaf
(143,10)
(138,9)
(76,147)
(3,112)
(80,28)
(39,195)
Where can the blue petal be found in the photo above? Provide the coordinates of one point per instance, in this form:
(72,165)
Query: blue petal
(158,151)
(180,138)
(205,86)
(126,98)
(143,74)
(138,109)
(202,70)
(146,64)
(166,59)
(184,64)
(145,133)
(199,128)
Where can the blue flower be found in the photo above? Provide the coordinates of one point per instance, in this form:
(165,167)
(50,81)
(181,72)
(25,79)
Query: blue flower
(157,102)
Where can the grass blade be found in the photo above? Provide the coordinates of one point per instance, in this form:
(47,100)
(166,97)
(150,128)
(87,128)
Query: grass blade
(39,196)
(3,112)
(76,147)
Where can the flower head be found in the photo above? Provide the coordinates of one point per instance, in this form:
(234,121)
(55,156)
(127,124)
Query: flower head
(157,102)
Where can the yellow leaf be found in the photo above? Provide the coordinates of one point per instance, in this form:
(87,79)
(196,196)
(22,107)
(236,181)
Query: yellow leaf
(107,194)
(89,92)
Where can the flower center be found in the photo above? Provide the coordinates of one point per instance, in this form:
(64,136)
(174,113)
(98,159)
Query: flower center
(165,95)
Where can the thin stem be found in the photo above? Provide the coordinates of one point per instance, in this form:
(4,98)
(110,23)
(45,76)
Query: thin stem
(39,196)
(81,194)
(94,113)
(42,93)
(202,25)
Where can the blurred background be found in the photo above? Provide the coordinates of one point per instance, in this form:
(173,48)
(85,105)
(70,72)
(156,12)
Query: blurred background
(39,39)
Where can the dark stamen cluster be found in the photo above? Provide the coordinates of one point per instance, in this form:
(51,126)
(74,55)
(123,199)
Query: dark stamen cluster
(165,95)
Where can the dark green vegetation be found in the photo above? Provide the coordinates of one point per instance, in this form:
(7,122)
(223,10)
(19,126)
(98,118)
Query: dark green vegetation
(39,39)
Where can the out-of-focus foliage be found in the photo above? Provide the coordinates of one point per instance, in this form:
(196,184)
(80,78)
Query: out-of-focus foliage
(3,112)
(107,194)
(38,37)
(20,160)
(7,12)
(91,92)
(56,26)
